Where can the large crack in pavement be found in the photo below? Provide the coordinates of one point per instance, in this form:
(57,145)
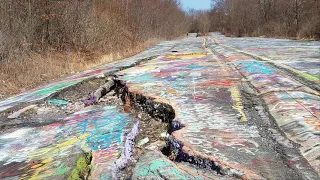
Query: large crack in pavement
(174,148)
(62,113)
(162,79)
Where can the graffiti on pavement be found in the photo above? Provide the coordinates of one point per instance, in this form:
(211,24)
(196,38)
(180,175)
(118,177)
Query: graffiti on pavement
(48,151)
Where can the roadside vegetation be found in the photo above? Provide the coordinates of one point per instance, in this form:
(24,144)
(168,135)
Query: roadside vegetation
(297,19)
(42,40)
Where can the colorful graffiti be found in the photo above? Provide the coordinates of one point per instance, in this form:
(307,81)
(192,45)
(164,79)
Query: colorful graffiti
(299,119)
(205,92)
(52,150)
(154,165)
(207,101)
(294,106)
(301,57)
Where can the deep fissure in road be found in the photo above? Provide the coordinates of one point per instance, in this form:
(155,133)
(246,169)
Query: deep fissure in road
(136,103)
(165,113)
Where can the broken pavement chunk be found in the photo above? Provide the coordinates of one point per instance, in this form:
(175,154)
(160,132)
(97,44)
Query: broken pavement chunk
(164,135)
(18,113)
(143,142)
(158,145)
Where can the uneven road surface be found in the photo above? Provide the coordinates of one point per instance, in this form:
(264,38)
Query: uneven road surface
(244,108)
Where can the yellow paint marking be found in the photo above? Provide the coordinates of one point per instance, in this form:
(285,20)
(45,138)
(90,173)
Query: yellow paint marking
(57,148)
(225,72)
(45,164)
(147,84)
(186,55)
(171,91)
(238,104)
(36,166)
(224,67)
(205,43)
(72,141)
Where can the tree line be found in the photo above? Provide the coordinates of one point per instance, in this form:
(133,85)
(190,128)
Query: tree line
(28,26)
(271,18)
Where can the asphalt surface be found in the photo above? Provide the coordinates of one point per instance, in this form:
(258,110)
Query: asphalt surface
(249,108)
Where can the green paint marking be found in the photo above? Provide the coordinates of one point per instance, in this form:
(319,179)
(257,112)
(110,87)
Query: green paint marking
(151,167)
(154,166)
(83,168)
(307,76)
(62,170)
(55,88)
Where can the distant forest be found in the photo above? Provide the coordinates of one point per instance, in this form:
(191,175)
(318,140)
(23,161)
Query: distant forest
(42,40)
(86,25)
(271,18)
(118,25)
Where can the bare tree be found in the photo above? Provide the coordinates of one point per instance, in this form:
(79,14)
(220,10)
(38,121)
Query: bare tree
(294,18)
(99,25)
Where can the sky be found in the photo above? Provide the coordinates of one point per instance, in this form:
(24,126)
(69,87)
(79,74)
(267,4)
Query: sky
(196,4)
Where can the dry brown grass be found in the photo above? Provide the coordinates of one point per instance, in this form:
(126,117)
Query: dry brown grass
(204,34)
(37,69)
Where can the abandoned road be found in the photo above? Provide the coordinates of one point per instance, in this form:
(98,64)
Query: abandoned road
(236,108)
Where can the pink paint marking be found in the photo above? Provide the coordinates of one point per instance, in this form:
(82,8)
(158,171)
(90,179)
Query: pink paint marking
(18,113)
(104,156)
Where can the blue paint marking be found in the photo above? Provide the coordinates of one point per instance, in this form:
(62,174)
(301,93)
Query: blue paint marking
(195,67)
(171,79)
(105,126)
(255,67)
(108,130)
(140,79)
(83,125)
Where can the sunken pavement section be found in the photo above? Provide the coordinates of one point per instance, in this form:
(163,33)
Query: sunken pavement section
(237,108)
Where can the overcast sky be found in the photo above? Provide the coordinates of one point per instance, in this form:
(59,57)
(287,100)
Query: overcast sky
(196,4)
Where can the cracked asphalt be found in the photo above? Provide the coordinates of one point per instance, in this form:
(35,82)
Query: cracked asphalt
(250,106)
(237,110)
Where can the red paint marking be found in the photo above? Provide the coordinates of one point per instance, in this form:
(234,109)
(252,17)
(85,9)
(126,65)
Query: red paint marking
(102,156)
(290,163)
(14,169)
(198,98)
(224,83)
(55,125)
(217,145)
(205,129)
